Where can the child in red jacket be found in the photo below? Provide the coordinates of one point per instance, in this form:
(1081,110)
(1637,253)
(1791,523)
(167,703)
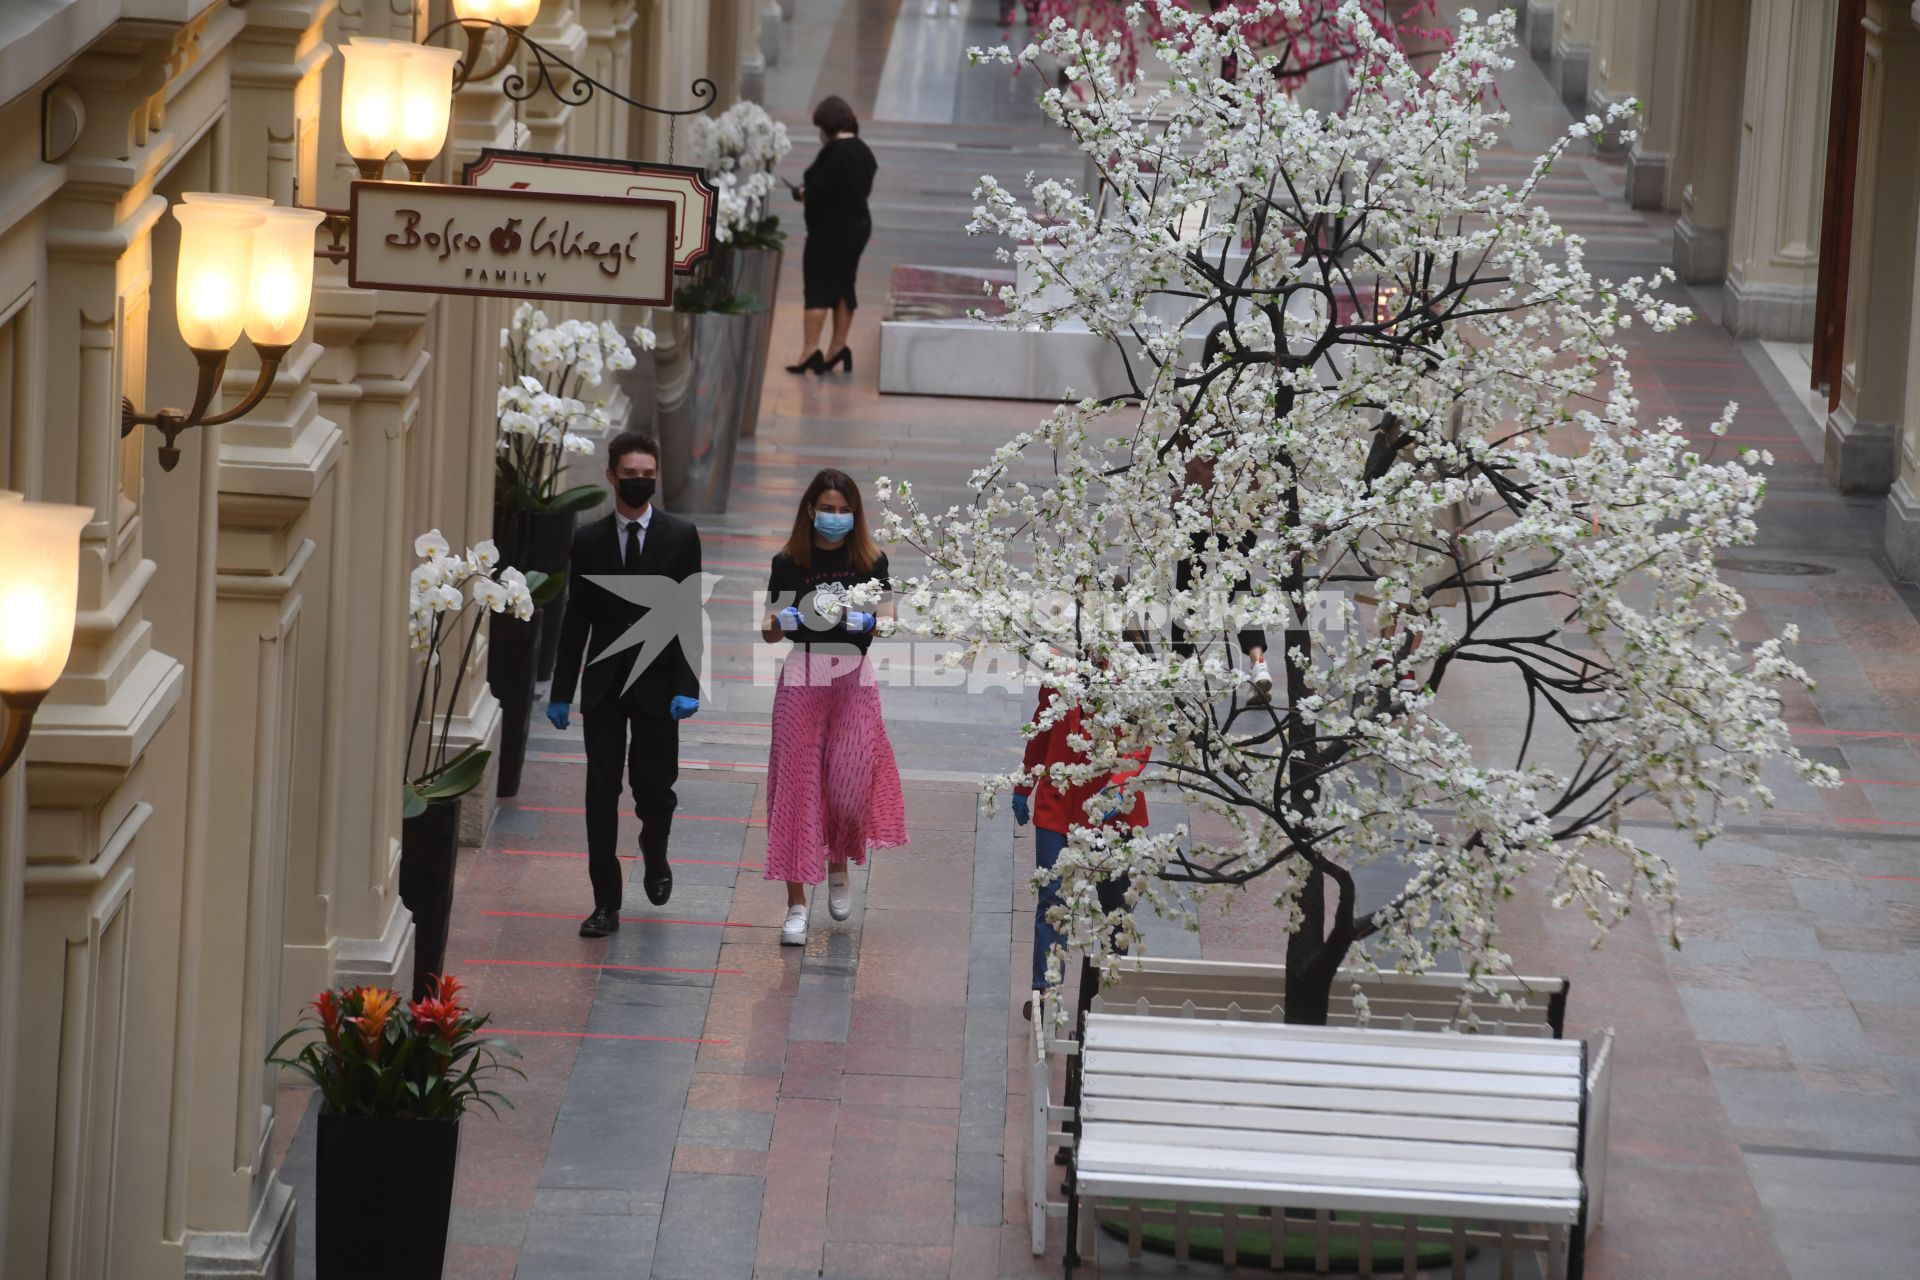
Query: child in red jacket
(1053,812)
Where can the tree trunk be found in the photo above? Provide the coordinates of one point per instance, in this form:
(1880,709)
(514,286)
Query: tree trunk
(1307,991)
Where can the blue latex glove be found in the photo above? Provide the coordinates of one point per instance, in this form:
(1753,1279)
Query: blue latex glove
(859,623)
(682,706)
(788,618)
(1112,798)
(557,714)
(1022,815)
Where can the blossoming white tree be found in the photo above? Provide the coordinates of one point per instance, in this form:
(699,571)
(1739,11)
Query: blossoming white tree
(1378,401)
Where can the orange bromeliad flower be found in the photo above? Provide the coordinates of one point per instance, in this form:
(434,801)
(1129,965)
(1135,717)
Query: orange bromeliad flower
(376,1005)
(327,1006)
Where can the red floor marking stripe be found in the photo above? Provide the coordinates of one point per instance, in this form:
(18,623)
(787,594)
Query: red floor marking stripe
(575,915)
(587,964)
(678,817)
(1874,822)
(1878,782)
(629,857)
(1913,878)
(604,1035)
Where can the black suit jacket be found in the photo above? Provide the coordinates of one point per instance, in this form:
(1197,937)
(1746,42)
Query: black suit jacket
(595,618)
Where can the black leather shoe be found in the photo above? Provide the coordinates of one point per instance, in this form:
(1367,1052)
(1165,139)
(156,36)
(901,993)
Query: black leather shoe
(602,922)
(657,880)
(812,364)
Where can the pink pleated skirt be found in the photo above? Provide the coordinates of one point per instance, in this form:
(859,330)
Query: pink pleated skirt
(833,790)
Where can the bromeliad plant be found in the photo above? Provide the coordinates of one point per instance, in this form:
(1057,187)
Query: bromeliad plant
(443,590)
(1373,391)
(426,1060)
(550,370)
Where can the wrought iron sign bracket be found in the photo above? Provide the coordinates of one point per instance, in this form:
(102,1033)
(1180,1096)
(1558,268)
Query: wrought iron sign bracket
(519,87)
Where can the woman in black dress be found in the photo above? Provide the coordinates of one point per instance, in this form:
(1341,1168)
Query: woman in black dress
(835,191)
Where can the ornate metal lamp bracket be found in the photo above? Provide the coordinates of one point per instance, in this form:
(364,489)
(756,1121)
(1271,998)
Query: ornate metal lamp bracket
(578,88)
(174,422)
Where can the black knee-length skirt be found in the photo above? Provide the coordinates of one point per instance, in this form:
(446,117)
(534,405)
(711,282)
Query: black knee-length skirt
(830,262)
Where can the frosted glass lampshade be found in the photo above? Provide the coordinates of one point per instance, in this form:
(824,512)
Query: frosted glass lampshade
(216,254)
(370,88)
(426,101)
(476,10)
(39,591)
(280,285)
(516,13)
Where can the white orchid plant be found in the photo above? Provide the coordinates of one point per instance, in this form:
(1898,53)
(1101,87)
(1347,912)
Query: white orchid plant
(739,148)
(549,372)
(1375,400)
(443,590)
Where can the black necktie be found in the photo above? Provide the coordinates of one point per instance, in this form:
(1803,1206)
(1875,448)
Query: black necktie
(633,547)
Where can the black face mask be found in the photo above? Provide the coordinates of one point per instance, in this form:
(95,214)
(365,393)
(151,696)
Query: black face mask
(635,491)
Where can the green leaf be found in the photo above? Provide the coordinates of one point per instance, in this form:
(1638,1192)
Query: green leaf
(461,775)
(547,587)
(412,804)
(583,498)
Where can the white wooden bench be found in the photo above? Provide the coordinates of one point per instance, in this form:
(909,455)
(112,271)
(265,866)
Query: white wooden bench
(1155,986)
(1327,1128)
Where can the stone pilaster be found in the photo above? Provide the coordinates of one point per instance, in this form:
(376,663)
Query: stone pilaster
(1773,249)
(1862,444)
(1571,61)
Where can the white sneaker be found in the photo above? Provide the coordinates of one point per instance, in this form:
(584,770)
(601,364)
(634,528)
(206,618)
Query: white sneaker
(794,932)
(1262,684)
(933,8)
(953,8)
(839,895)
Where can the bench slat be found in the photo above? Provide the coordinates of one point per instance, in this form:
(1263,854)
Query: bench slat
(1097,1153)
(1410,1151)
(1254,1070)
(1384,1102)
(1312,1194)
(1265,1035)
(1255,1040)
(1338,1123)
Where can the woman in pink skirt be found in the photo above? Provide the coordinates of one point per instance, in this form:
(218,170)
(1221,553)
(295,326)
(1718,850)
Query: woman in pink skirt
(833,791)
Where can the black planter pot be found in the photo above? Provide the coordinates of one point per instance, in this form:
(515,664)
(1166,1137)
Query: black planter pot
(531,541)
(429,848)
(383,1193)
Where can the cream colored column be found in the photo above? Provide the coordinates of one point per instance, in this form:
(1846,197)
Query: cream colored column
(546,116)
(1540,24)
(1773,251)
(1658,41)
(1706,162)
(751,58)
(270,626)
(670,53)
(107,885)
(1572,57)
(1863,431)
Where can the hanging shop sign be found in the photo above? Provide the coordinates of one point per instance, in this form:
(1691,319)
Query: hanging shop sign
(684,187)
(511,244)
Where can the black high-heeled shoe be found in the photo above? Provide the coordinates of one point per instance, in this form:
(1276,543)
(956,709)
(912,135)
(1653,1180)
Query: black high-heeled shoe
(812,364)
(844,361)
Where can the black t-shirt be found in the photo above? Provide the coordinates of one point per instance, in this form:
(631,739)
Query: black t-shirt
(832,571)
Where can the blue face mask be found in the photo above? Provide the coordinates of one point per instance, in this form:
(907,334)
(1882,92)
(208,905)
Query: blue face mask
(833,525)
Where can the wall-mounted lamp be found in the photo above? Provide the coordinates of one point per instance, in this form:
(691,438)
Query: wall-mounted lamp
(39,591)
(245,263)
(395,96)
(477,17)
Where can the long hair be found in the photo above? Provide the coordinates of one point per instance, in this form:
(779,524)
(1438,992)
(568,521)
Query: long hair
(862,550)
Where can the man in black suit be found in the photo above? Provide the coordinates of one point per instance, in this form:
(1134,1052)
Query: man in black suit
(631,718)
